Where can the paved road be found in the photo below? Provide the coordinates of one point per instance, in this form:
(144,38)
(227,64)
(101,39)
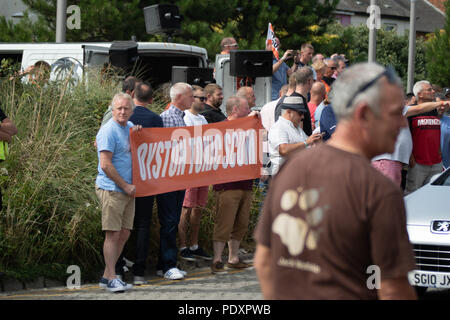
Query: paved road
(200,284)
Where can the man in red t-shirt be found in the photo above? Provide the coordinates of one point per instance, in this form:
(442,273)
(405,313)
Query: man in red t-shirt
(318,93)
(425,128)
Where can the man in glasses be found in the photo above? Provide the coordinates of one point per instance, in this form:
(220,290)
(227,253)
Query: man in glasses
(228,44)
(332,225)
(195,199)
(329,72)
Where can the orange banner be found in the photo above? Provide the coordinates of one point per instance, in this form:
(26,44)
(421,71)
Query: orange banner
(170,159)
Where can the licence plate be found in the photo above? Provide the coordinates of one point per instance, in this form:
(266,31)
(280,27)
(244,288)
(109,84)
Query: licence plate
(429,279)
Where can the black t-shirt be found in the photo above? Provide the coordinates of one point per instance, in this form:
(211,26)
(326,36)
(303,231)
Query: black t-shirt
(212,115)
(307,128)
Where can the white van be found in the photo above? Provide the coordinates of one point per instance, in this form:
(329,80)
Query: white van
(155,58)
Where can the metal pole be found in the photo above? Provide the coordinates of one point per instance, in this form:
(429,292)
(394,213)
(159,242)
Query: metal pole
(61,17)
(373,32)
(412,47)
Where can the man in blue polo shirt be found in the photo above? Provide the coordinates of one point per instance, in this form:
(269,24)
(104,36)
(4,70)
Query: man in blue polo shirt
(114,187)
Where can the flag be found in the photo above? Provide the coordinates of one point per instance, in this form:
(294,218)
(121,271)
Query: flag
(270,41)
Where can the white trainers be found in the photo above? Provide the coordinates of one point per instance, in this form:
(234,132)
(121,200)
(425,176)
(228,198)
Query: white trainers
(115,285)
(160,273)
(174,274)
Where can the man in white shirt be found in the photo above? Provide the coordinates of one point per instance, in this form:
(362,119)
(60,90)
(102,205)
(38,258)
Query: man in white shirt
(287,135)
(195,199)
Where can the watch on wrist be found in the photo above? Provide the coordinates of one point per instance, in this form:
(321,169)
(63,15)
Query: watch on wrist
(306,144)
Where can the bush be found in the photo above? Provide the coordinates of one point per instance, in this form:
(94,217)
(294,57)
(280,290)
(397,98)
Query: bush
(51,213)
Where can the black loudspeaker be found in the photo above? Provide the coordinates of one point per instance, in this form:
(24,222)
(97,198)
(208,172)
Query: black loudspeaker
(251,63)
(162,18)
(192,75)
(123,54)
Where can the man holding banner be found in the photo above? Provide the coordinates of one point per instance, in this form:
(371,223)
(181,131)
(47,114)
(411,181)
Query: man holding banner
(170,204)
(233,206)
(114,187)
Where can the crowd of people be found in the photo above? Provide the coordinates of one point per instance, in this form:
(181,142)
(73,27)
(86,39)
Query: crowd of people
(310,187)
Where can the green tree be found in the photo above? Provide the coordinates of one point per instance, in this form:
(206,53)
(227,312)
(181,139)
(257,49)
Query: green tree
(25,30)
(101,20)
(437,53)
(205,22)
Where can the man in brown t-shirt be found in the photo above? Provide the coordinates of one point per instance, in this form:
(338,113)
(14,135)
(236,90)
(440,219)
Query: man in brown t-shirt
(332,226)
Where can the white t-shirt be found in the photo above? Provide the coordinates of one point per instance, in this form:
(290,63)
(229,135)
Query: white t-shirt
(193,120)
(283,131)
(403,146)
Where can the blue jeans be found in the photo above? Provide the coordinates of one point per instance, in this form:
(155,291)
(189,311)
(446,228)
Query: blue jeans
(169,212)
(142,222)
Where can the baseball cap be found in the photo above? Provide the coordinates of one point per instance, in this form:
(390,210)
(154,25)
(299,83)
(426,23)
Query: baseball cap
(294,103)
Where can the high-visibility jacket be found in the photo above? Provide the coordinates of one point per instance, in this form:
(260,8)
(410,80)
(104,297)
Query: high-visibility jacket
(3,150)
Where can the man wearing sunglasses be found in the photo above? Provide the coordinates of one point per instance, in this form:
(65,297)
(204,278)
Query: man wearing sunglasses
(329,217)
(330,70)
(195,199)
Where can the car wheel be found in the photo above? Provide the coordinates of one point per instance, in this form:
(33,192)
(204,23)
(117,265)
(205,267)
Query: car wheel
(420,291)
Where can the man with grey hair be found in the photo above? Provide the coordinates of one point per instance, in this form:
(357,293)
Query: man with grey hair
(114,187)
(340,65)
(329,216)
(332,66)
(426,160)
(171,203)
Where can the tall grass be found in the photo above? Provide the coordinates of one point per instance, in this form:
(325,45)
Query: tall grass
(51,215)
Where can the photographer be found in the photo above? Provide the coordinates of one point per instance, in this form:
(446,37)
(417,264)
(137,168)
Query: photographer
(280,70)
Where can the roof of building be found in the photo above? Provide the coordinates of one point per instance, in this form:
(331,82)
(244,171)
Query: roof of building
(429,17)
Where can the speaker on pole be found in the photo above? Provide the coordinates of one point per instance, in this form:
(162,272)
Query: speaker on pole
(251,63)
(162,18)
(192,75)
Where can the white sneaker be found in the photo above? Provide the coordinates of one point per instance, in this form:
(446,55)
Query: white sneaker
(160,273)
(173,274)
(127,286)
(128,263)
(115,285)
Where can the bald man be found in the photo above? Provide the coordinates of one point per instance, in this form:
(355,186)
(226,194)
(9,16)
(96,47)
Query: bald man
(318,93)
(248,94)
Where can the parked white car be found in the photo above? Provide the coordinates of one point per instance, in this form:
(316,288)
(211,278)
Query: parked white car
(428,224)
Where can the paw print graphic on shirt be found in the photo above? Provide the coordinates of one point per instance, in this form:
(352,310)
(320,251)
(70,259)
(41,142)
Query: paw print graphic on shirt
(296,233)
